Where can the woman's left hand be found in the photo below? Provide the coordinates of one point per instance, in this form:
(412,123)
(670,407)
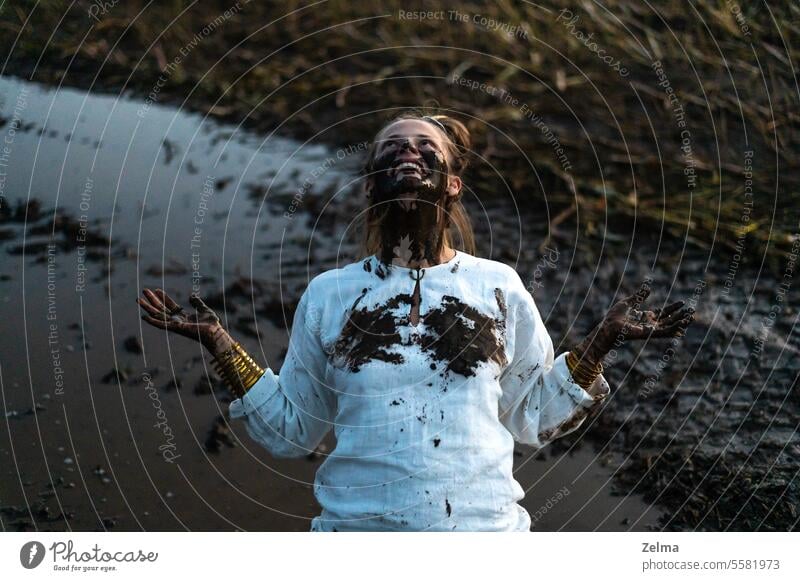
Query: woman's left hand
(626,321)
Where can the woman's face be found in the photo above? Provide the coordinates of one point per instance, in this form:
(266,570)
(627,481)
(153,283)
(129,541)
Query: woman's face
(412,152)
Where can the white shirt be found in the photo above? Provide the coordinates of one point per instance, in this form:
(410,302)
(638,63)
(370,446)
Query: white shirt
(425,417)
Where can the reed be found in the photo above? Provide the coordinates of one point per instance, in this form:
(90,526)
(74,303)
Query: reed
(570,129)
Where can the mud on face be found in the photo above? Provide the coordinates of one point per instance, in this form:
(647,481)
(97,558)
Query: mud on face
(412,198)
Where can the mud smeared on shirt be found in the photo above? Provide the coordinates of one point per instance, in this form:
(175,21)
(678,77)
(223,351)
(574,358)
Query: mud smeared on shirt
(527,373)
(454,334)
(462,337)
(500,297)
(566,425)
(381,270)
(370,334)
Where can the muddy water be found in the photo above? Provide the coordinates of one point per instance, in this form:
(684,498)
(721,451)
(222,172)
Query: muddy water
(113,425)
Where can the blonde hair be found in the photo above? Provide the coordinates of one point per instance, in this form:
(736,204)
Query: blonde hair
(457,222)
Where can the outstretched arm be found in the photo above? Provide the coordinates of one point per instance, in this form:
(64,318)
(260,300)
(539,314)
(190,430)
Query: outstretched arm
(624,322)
(545,397)
(288,414)
(231,360)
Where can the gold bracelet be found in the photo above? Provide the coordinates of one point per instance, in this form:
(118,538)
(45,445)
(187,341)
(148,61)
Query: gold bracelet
(238,369)
(582,376)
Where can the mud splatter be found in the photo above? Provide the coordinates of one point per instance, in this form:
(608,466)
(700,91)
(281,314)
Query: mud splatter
(368,265)
(455,334)
(364,292)
(462,337)
(566,425)
(370,334)
(527,373)
(501,301)
(447,507)
(500,297)
(436,442)
(382,271)
(454,269)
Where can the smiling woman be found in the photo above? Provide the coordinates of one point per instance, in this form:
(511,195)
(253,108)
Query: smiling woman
(428,362)
(440,145)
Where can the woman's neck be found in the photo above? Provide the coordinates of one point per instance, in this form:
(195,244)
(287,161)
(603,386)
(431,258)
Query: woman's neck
(445,255)
(413,234)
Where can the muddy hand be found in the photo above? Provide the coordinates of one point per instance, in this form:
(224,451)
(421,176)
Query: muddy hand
(626,320)
(202,325)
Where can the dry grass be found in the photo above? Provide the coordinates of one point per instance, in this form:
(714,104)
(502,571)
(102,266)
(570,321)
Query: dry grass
(332,70)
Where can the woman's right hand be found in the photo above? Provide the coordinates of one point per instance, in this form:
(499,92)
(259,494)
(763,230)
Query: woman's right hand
(203,325)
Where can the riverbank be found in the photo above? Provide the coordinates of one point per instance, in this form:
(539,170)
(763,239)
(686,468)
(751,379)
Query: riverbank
(214,149)
(619,122)
(114,426)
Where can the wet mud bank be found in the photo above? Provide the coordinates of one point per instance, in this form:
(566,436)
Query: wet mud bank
(112,426)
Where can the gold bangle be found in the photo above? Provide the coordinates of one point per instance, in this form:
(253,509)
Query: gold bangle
(238,369)
(582,376)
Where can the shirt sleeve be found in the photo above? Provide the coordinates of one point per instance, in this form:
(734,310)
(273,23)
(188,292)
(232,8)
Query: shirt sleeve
(289,414)
(540,401)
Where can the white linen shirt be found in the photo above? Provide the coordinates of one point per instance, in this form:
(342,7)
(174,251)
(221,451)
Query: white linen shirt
(425,416)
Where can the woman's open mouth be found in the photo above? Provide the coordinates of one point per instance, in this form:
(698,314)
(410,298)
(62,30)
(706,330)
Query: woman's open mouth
(408,168)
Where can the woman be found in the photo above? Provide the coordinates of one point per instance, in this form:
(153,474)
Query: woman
(427,361)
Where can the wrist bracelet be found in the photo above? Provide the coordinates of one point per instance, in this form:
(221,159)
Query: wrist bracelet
(582,376)
(238,369)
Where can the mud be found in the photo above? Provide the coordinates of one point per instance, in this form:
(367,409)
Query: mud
(411,207)
(461,337)
(706,440)
(708,425)
(456,335)
(370,334)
